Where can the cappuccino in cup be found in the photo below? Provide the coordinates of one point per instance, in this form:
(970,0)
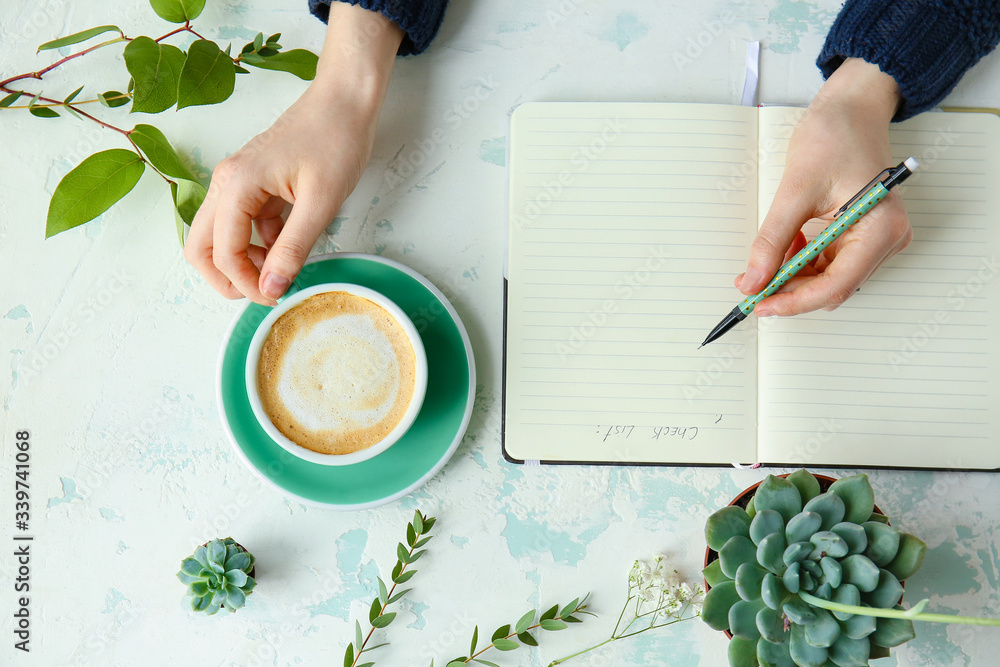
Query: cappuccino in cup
(337,373)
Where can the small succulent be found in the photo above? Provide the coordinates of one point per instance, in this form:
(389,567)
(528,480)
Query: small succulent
(792,543)
(218,576)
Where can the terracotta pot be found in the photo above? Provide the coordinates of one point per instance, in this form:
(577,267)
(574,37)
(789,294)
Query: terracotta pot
(743,499)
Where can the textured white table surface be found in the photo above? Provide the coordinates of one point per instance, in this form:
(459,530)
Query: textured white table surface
(112,339)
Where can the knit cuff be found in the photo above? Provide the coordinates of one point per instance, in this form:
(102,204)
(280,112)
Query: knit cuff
(419,19)
(925,46)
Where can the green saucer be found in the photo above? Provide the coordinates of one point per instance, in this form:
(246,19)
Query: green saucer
(418,455)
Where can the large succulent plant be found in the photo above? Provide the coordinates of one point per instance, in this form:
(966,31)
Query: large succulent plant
(793,543)
(218,576)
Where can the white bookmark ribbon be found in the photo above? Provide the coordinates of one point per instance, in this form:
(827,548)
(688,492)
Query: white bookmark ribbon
(753,74)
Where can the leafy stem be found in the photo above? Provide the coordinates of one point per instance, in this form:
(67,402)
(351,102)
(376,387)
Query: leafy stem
(73,104)
(503,638)
(913,614)
(416,537)
(53,102)
(42,72)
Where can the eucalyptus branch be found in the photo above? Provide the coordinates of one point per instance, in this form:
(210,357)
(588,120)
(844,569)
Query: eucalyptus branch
(42,72)
(416,537)
(915,613)
(72,105)
(53,102)
(161,76)
(503,639)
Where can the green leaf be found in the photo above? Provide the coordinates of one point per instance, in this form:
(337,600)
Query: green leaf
(422,541)
(553,624)
(383,620)
(475,640)
(402,553)
(10,99)
(43,112)
(190,566)
(189,578)
(396,570)
(236,578)
(909,558)
(201,555)
(252,59)
(500,632)
(217,552)
(78,37)
(299,62)
(399,595)
(569,608)
(506,645)
(428,524)
(208,76)
(718,602)
(858,496)
(241,70)
(187,196)
(239,560)
(358,637)
(72,96)
(550,613)
(258,41)
(724,524)
(527,639)
(457,663)
(780,495)
(92,188)
(155,69)
(525,621)
(236,598)
(418,519)
(113,98)
(349,656)
(485,662)
(411,535)
(375,610)
(177,11)
(273,39)
(383,593)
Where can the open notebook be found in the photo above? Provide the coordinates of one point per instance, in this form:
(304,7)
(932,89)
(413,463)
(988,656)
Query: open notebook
(627,225)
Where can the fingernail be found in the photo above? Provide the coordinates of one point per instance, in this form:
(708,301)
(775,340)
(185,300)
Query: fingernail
(763,312)
(275,285)
(750,278)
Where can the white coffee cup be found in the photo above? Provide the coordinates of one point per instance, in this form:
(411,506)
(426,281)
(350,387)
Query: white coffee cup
(420,374)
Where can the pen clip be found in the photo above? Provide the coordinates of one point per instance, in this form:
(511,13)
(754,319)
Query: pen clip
(882,174)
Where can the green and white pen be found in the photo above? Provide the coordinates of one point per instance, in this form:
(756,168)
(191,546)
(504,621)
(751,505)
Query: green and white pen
(848,214)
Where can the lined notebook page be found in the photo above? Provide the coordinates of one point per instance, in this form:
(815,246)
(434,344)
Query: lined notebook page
(906,372)
(627,225)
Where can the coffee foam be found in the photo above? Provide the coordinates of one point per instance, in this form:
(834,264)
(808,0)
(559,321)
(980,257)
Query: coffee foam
(336,373)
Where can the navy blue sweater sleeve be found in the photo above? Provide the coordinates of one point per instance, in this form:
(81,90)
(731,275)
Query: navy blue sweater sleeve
(925,45)
(419,19)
